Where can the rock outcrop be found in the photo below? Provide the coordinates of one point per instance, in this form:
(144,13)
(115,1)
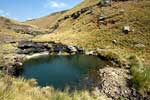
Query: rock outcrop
(30,47)
(28,30)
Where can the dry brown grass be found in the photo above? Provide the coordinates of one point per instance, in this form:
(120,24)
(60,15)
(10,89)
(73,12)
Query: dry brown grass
(85,32)
(20,89)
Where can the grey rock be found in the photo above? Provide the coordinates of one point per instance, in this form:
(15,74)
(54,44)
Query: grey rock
(114,41)
(66,17)
(72,49)
(106,3)
(76,15)
(83,10)
(30,47)
(121,11)
(101,18)
(89,52)
(89,12)
(140,45)
(126,29)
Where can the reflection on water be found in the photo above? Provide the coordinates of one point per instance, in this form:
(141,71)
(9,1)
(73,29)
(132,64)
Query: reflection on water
(59,71)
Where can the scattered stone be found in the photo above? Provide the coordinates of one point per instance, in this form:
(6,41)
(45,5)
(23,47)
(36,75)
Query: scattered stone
(121,11)
(114,41)
(89,12)
(76,15)
(18,64)
(66,17)
(80,50)
(101,18)
(140,45)
(114,82)
(106,3)
(83,10)
(89,52)
(72,49)
(126,29)
(11,70)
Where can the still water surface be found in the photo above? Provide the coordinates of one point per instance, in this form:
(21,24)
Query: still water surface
(59,71)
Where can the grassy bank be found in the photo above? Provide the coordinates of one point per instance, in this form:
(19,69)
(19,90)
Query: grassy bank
(140,74)
(87,33)
(21,89)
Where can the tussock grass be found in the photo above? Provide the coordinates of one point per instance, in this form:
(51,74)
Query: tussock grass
(85,32)
(140,73)
(21,89)
(112,55)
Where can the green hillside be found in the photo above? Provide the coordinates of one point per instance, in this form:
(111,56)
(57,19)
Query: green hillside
(91,27)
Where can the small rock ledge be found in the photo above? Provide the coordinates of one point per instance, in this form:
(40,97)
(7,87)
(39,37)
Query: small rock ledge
(30,47)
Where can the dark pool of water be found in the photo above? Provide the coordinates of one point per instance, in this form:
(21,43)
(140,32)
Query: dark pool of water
(59,71)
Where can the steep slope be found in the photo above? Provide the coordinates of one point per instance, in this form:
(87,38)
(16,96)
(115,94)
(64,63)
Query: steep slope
(7,34)
(46,21)
(11,32)
(17,29)
(81,25)
(97,27)
(90,26)
(88,31)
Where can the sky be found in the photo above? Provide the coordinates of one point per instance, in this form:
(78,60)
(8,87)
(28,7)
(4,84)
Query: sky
(22,10)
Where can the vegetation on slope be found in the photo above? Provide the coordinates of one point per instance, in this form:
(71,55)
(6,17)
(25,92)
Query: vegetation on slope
(45,21)
(140,73)
(86,31)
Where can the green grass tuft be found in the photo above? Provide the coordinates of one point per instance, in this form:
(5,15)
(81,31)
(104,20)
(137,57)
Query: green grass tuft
(140,73)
